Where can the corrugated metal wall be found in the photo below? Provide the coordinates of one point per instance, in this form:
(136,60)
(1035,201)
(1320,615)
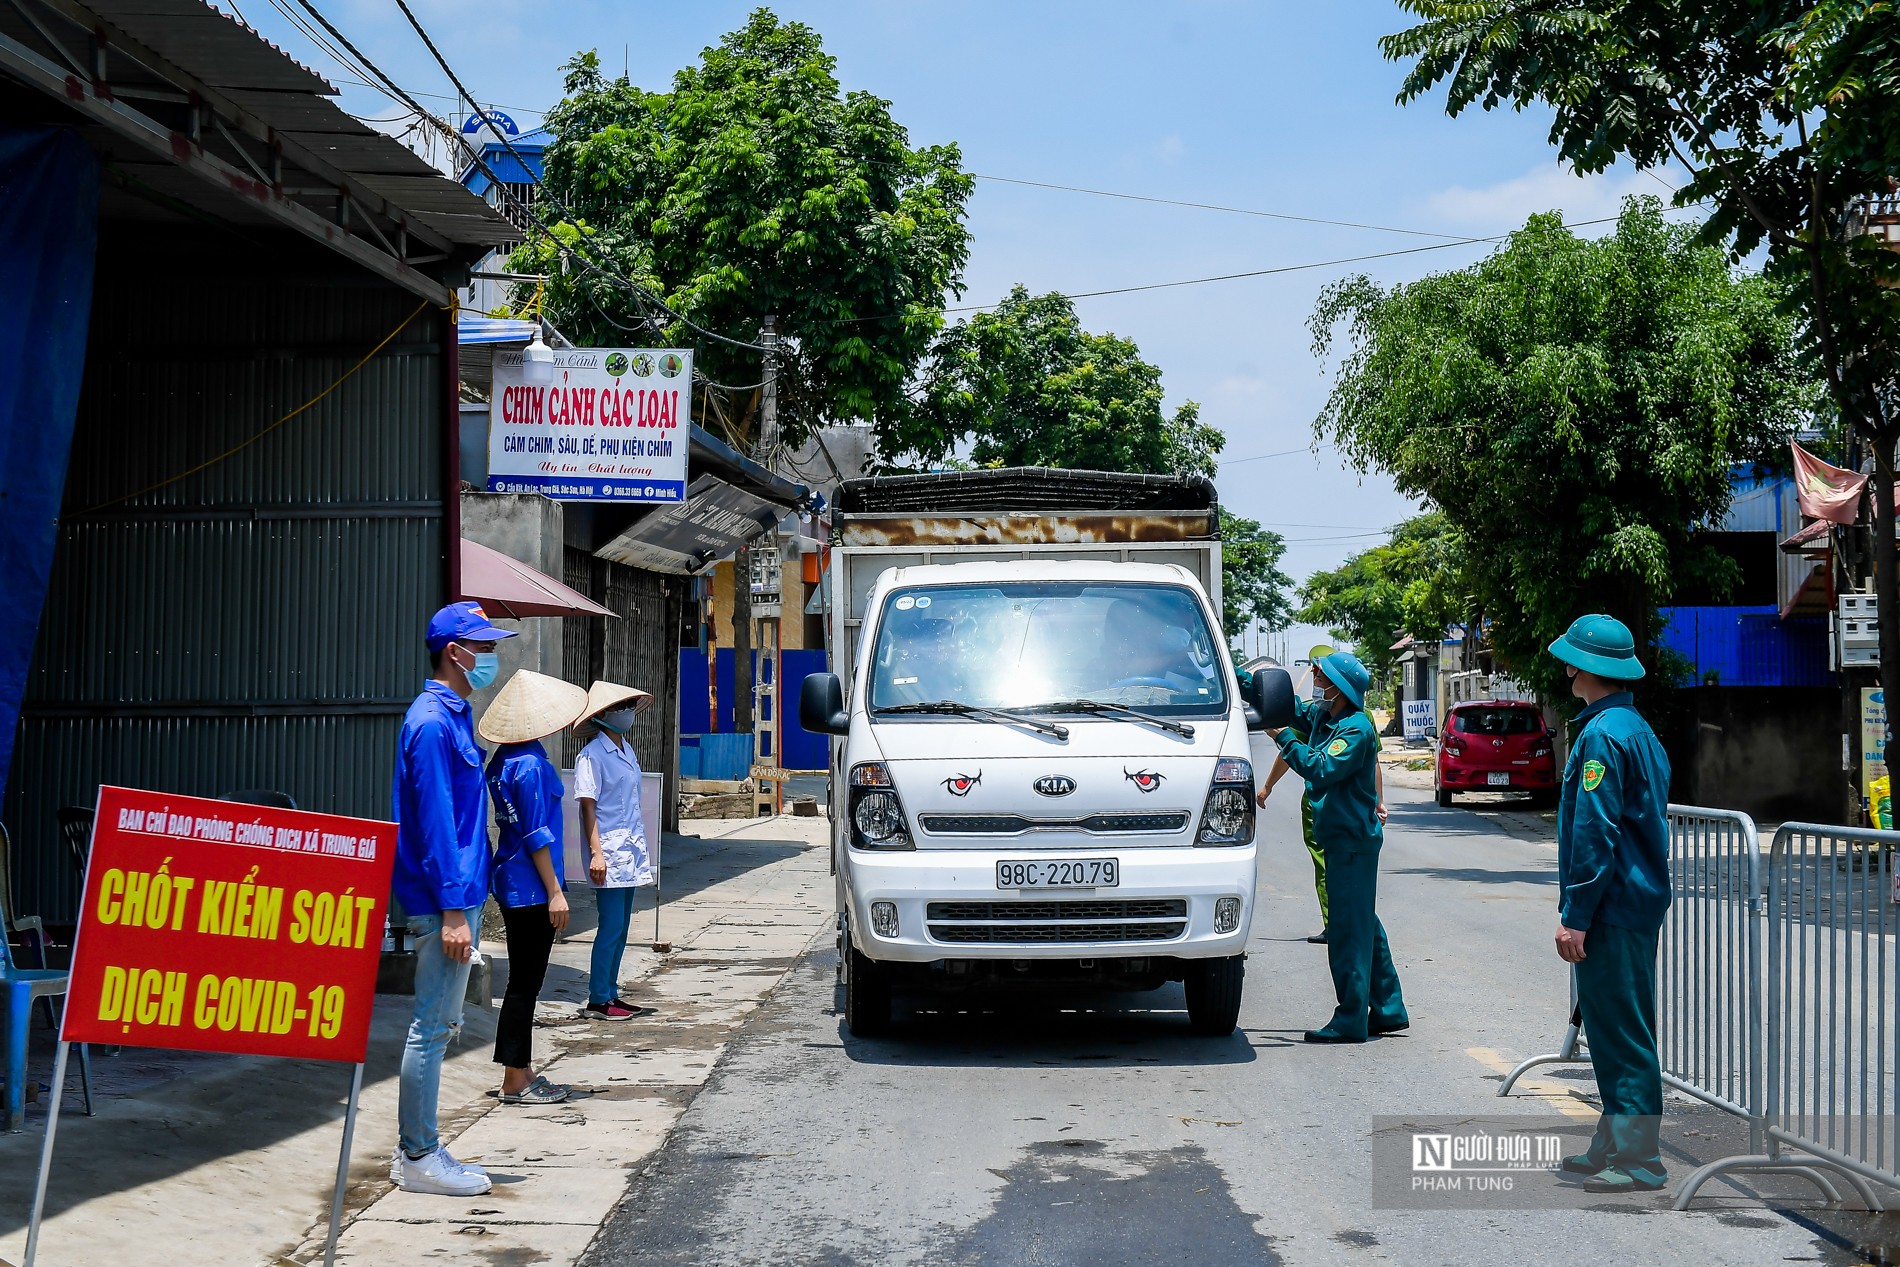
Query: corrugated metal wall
(257,624)
(640,649)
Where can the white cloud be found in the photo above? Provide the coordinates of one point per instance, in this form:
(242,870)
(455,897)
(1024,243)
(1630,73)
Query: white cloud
(1507,204)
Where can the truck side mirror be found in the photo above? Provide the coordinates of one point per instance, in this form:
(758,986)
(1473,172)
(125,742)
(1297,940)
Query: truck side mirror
(821,705)
(1269,699)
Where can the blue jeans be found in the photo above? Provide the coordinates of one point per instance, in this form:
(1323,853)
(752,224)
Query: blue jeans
(441,985)
(610,942)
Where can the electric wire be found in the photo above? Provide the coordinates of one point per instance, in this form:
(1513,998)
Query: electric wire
(634,288)
(239,447)
(1210,206)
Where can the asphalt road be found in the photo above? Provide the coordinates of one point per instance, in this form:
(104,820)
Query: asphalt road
(1106,1135)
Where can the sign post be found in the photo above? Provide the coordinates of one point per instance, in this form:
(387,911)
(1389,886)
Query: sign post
(218,926)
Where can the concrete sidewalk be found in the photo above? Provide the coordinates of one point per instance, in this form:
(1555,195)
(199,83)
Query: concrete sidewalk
(229,1160)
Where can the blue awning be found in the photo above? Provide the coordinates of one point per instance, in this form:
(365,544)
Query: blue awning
(474,330)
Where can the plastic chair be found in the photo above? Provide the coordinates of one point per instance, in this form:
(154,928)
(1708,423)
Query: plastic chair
(21,924)
(18,988)
(75,828)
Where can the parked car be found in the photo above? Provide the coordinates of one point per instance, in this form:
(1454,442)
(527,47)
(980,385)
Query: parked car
(1496,746)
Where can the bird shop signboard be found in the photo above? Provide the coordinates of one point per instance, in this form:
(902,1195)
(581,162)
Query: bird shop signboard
(609,424)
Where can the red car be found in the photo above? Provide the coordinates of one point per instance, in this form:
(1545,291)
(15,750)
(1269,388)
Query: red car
(1496,746)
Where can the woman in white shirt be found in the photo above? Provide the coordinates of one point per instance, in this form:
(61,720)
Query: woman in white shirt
(619,858)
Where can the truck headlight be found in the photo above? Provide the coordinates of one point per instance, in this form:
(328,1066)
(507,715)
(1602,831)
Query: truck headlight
(877,817)
(1228,818)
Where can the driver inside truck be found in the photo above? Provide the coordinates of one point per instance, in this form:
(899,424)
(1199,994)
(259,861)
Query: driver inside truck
(1145,649)
(926,668)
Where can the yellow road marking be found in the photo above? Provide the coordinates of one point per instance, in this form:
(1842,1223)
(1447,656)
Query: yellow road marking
(1560,1096)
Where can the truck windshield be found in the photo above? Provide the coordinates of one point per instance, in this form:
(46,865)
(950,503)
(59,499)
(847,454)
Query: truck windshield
(1022,644)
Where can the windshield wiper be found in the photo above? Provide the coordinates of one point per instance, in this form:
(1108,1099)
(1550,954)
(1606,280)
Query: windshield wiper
(956,708)
(1099,708)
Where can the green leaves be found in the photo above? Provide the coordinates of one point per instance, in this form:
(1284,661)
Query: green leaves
(1026,385)
(1415,583)
(1572,408)
(758,186)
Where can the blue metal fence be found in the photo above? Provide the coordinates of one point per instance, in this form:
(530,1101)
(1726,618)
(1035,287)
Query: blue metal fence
(1748,646)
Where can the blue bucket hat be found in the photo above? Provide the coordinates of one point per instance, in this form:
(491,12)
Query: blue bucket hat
(1601,645)
(1343,670)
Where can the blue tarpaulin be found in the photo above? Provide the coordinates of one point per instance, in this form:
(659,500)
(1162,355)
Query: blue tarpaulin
(49,213)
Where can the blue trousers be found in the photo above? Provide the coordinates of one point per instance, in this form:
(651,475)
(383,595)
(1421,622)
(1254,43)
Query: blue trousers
(441,985)
(1616,987)
(610,943)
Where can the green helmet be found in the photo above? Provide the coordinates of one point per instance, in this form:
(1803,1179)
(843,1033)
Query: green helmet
(1601,645)
(1343,670)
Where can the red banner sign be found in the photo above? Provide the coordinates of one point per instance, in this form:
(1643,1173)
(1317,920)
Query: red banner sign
(218,926)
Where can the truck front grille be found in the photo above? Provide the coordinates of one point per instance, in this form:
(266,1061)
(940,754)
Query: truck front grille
(1043,923)
(1016,824)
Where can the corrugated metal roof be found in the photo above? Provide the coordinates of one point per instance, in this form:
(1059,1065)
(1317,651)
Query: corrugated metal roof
(221,50)
(223,56)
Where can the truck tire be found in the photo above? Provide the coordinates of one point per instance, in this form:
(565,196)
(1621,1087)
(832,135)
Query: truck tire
(867,996)
(1213,995)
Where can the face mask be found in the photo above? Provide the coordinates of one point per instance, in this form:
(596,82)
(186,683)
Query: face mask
(618,720)
(487,669)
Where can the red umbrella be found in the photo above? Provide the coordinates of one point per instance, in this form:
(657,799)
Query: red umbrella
(514,589)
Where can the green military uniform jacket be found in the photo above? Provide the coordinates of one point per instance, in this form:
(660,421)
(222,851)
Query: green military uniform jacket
(1613,822)
(1340,765)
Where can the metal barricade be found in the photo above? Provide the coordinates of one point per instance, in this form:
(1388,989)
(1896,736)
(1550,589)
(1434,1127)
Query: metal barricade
(1710,979)
(1829,1086)
(1708,975)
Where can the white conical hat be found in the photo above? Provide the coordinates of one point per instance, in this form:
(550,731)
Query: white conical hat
(602,696)
(532,706)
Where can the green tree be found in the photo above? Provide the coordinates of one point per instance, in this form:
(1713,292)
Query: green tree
(1786,114)
(756,186)
(1026,385)
(1574,408)
(1254,590)
(1415,583)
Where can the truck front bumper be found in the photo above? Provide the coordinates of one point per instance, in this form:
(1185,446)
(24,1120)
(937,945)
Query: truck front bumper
(948,906)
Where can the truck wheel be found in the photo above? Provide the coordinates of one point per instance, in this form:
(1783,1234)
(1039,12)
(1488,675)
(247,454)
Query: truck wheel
(867,996)
(1213,995)
(1444,798)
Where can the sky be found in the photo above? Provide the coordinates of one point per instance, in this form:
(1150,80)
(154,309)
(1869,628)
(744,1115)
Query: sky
(1263,106)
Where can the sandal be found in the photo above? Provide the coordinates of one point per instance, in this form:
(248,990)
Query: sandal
(540,1091)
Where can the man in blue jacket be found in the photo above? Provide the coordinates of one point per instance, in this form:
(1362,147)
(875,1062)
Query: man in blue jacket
(1340,762)
(1613,866)
(441,881)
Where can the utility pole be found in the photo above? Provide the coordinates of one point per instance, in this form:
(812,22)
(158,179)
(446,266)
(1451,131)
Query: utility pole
(744,685)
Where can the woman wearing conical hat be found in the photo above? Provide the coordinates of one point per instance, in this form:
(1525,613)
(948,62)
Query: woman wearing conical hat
(619,858)
(526,877)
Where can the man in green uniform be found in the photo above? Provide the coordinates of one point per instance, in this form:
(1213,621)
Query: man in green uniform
(1339,762)
(1613,866)
(1280,767)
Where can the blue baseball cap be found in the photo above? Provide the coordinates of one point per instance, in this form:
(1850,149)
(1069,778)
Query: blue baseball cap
(462,622)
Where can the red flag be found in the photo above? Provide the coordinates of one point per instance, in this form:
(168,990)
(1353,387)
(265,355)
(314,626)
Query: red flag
(1826,492)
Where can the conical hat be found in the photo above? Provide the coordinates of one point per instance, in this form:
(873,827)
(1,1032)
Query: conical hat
(602,696)
(531,706)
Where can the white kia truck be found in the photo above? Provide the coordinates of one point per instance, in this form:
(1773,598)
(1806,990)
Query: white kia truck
(1040,776)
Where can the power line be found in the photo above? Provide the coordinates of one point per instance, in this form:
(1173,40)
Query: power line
(1261,457)
(640,294)
(1210,206)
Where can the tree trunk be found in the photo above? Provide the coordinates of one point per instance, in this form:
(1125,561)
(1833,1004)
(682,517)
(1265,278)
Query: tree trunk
(742,641)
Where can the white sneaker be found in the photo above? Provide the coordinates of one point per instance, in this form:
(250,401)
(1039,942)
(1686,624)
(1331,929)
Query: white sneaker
(466,1167)
(439,1174)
